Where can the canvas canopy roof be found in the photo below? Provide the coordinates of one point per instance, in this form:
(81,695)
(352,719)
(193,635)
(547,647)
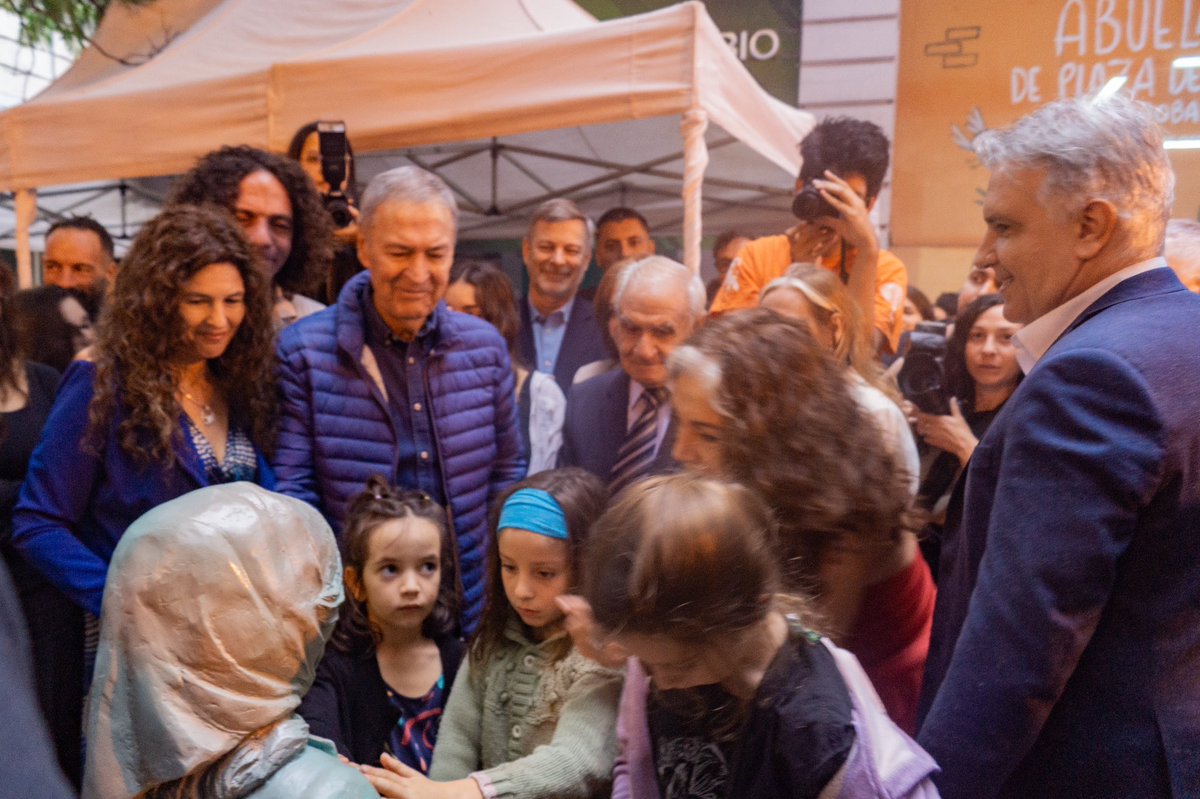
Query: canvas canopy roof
(521,99)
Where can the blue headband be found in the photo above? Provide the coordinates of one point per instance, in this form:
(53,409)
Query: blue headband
(534,510)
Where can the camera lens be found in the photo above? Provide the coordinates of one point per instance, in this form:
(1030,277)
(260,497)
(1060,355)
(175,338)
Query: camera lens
(339,210)
(809,205)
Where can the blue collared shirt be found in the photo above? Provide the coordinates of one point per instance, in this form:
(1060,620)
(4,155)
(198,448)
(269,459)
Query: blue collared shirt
(548,333)
(404,366)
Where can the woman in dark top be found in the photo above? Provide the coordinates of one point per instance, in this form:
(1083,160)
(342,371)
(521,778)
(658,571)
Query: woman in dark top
(178,393)
(306,149)
(55,623)
(981,374)
(51,325)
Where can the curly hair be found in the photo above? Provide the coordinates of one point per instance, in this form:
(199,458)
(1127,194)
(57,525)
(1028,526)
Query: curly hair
(495,297)
(793,432)
(142,334)
(217,177)
(377,504)
(846,146)
(582,497)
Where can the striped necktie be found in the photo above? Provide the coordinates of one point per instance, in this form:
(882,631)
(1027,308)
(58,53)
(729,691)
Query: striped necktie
(636,455)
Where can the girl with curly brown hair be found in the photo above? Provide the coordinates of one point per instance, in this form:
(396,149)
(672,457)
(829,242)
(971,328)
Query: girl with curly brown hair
(178,393)
(759,401)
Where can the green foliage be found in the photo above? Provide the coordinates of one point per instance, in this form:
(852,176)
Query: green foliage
(73,20)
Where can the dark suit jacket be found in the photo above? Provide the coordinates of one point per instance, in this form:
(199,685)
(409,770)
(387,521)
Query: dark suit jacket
(1065,658)
(582,342)
(594,427)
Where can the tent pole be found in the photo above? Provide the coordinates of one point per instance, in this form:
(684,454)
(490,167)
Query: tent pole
(25,205)
(695,160)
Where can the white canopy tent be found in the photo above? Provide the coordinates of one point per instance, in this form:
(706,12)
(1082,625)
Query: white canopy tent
(510,100)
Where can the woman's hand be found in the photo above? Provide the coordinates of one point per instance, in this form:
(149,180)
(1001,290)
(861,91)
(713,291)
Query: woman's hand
(585,633)
(949,433)
(349,233)
(398,781)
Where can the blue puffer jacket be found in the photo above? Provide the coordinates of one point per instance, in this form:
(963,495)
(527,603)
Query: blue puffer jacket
(336,431)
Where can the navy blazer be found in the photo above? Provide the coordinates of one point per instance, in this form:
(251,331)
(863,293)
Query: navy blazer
(1066,639)
(582,342)
(594,427)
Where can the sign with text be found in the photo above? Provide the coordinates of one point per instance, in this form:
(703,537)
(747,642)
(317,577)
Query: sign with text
(764,34)
(966,66)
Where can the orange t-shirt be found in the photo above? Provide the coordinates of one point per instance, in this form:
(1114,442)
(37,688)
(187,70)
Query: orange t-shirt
(765,259)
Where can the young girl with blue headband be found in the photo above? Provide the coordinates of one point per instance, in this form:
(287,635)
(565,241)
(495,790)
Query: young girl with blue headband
(528,716)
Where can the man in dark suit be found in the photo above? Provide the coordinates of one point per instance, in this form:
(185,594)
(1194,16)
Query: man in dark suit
(559,333)
(1066,640)
(618,424)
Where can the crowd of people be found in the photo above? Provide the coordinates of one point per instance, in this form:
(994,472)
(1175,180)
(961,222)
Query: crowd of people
(320,511)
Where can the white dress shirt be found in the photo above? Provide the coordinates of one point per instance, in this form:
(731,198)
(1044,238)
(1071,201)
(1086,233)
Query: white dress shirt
(1036,338)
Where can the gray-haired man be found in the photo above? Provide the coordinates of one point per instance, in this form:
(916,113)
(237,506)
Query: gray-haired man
(389,381)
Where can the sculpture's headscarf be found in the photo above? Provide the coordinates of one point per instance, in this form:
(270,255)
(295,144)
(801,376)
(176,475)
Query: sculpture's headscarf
(216,611)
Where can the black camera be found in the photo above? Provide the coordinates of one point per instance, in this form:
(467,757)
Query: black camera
(809,205)
(922,379)
(335,160)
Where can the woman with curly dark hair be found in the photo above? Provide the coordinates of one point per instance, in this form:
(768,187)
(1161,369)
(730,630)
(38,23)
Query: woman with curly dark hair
(759,401)
(178,393)
(281,214)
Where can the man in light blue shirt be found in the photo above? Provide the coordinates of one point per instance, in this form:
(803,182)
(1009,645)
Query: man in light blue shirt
(558,328)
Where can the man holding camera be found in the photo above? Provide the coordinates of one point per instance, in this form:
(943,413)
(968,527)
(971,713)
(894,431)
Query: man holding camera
(844,164)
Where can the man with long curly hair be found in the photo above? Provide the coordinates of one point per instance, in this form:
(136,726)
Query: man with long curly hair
(280,212)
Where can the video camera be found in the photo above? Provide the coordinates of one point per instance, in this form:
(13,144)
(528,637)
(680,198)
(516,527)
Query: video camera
(335,167)
(922,379)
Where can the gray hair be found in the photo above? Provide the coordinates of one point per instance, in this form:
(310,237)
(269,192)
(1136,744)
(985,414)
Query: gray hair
(1108,150)
(406,184)
(688,360)
(560,209)
(661,267)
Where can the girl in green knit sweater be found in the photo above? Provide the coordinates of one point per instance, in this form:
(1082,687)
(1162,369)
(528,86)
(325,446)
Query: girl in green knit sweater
(528,716)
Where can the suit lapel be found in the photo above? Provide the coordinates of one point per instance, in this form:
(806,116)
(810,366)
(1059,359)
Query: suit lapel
(525,346)
(616,416)
(1156,281)
(663,460)
(569,359)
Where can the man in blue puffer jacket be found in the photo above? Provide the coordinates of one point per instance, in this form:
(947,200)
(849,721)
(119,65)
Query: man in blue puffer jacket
(389,381)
